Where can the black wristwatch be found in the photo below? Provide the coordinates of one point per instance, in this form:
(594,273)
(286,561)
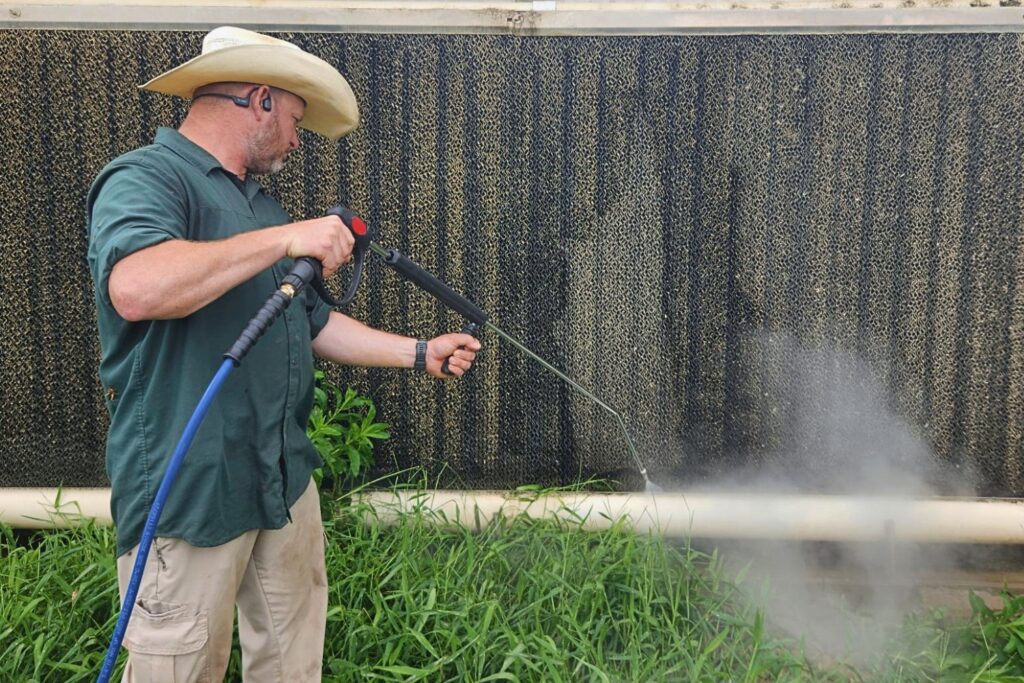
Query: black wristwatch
(421,355)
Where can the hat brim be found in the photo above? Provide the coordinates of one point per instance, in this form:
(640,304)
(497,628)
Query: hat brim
(331,108)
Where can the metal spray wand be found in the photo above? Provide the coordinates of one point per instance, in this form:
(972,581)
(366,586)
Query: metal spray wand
(477,317)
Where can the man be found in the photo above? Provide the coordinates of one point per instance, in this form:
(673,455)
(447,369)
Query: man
(184,248)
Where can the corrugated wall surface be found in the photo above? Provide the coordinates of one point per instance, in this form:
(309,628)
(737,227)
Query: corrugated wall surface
(794,254)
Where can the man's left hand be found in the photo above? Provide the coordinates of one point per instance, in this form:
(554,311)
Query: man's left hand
(457,348)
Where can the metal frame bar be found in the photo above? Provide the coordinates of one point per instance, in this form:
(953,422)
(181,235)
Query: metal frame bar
(518,18)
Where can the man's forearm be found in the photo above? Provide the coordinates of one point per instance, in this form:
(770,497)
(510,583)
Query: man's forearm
(176,278)
(350,342)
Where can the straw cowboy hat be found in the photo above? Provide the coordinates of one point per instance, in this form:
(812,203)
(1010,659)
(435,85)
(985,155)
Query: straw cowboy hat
(234,54)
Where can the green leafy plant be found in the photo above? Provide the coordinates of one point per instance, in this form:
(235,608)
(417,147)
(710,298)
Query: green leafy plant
(343,427)
(995,638)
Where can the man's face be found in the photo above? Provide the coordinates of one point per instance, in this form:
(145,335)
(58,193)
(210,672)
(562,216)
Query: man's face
(277,135)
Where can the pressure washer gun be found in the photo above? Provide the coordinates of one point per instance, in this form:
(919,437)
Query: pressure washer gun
(307,270)
(476,318)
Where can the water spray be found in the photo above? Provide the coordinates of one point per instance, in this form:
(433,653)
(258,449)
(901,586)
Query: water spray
(307,271)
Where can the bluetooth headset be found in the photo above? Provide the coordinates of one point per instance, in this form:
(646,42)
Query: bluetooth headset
(241,101)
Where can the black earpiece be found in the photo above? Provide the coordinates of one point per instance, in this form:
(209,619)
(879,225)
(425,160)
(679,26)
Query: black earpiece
(241,101)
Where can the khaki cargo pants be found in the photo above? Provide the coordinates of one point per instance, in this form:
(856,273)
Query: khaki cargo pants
(181,626)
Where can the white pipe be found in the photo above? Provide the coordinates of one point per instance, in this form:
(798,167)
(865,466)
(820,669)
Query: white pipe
(24,508)
(730,515)
(697,515)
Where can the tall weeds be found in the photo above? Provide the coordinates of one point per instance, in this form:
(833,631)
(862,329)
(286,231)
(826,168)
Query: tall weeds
(515,601)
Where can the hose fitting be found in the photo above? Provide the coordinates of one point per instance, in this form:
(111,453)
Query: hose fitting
(302,273)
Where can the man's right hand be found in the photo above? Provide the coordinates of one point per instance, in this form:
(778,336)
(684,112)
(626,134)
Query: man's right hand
(326,239)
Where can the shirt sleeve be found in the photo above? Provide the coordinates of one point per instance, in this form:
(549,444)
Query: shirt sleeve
(317,311)
(131,206)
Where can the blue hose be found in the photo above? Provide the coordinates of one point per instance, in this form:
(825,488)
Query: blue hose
(149,531)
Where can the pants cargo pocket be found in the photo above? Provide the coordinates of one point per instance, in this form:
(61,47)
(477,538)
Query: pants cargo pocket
(167,643)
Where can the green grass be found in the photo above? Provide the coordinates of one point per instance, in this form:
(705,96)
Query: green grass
(531,601)
(58,597)
(518,601)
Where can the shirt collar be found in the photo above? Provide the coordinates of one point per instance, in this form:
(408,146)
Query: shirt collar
(197,156)
(186,149)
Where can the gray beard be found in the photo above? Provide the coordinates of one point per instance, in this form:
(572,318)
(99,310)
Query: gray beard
(275,166)
(259,162)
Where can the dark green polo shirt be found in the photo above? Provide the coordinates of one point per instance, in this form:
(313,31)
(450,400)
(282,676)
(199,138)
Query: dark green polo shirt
(250,460)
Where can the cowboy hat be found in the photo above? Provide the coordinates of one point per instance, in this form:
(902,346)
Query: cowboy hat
(234,54)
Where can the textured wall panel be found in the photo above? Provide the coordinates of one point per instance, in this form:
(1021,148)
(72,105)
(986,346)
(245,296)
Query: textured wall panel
(796,256)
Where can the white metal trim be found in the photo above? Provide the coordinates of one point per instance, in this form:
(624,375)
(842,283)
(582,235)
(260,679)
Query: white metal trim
(461,17)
